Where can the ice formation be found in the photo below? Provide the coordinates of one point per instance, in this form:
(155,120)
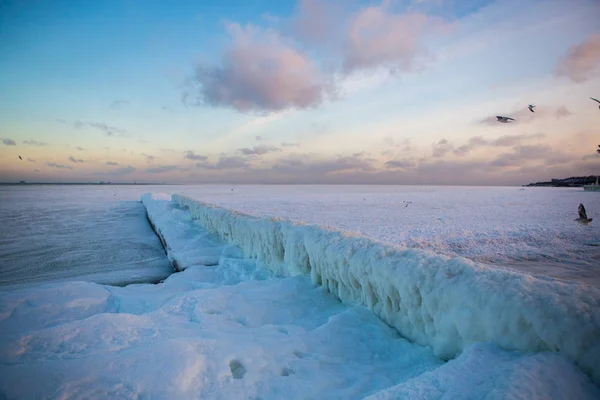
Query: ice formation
(442,302)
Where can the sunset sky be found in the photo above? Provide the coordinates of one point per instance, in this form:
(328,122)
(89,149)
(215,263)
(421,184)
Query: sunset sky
(312,91)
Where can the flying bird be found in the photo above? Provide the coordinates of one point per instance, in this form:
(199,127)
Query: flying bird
(531,107)
(504,120)
(20,158)
(596,100)
(598,149)
(583,219)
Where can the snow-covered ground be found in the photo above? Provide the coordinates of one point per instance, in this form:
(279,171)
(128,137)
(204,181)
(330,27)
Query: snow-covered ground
(530,229)
(91,233)
(228,328)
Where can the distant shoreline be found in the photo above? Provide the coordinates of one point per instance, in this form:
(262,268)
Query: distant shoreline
(574,181)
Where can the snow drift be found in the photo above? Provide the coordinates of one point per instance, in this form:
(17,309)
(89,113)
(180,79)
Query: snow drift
(442,302)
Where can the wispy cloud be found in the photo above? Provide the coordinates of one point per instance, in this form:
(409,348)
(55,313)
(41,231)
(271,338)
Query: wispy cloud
(288,144)
(149,157)
(444,147)
(106,129)
(123,171)
(259,150)
(59,166)
(111,163)
(75,160)
(225,163)
(399,164)
(523,154)
(30,160)
(441,148)
(9,142)
(309,166)
(34,143)
(190,155)
(582,60)
(79,148)
(161,169)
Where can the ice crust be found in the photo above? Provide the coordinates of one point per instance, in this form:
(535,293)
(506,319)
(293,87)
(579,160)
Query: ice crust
(434,300)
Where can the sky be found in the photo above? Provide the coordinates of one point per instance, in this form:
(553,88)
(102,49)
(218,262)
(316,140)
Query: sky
(294,92)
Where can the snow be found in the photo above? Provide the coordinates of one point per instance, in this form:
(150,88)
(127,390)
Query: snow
(244,322)
(433,300)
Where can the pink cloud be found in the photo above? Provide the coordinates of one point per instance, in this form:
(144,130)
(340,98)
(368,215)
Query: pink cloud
(319,21)
(378,37)
(581,60)
(260,71)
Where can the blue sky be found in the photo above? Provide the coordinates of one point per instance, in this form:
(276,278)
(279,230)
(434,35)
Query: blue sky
(299,91)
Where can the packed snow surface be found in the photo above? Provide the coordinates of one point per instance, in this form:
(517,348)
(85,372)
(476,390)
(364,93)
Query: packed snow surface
(234,330)
(92,233)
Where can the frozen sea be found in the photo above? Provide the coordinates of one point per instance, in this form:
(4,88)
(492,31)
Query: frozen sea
(230,327)
(93,233)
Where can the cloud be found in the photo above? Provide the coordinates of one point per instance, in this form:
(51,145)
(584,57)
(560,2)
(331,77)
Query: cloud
(106,129)
(399,164)
(30,160)
(79,148)
(259,150)
(258,138)
(581,60)
(59,166)
(288,144)
(9,142)
(339,164)
(392,143)
(260,71)
(312,21)
(562,112)
(112,163)
(123,171)
(378,37)
(117,104)
(225,163)
(190,155)
(523,154)
(34,143)
(444,147)
(149,157)
(441,148)
(162,168)
(74,160)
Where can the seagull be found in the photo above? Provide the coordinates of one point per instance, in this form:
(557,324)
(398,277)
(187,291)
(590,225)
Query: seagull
(406,203)
(504,120)
(596,100)
(531,107)
(598,149)
(20,158)
(583,219)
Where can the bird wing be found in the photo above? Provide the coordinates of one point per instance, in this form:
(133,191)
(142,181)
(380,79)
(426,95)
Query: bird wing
(595,99)
(510,118)
(582,213)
